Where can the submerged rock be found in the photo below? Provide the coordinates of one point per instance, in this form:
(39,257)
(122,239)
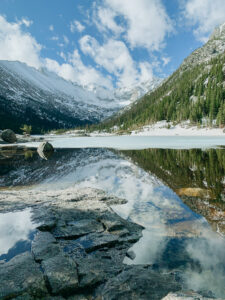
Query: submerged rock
(8,136)
(45,150)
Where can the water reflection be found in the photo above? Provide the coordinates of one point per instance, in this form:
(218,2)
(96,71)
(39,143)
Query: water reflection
(17,231)
(177,234)
(197,176)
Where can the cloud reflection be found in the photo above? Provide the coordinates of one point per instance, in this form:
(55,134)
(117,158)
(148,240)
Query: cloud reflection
(14,227)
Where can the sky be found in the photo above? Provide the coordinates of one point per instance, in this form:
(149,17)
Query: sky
(109,43)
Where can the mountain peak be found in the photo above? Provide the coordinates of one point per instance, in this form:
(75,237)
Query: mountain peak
(218,33)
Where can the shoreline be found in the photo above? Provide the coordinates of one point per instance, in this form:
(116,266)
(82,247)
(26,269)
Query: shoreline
(78,249)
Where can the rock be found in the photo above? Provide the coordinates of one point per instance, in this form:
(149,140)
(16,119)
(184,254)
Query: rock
(131,254)
(138,282)
(187,295)
(44,246)
(45,150)
(21,275)
(75,229)
(8,136)
(61,274)
(224,130)
(94,241)
(93,271)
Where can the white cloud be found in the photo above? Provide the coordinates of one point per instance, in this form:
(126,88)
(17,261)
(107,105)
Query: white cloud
(146,72)
(115,58)
(206,15)
(76,71)
(105,20)
(166,60)
(62,55)
(15,44)
(76,26)
(26,22)
(51,28)
(54,38)
(146,22)
(66,40)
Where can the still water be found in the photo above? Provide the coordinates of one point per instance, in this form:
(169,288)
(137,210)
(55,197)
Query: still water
(178,195)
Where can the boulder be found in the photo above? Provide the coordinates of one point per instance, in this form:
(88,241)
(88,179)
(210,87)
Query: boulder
(8,136)
(61,273)
(45,150)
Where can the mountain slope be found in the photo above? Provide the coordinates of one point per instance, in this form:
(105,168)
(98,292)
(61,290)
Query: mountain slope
(47,101)
(44,100)
(194,92)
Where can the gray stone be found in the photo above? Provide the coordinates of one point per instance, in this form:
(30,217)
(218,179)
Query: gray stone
(61,274)
(8,136)
(21,275)
(45,150)
(112,224)
(131,254)
(93,270)
(186,295)
(79,228)
(137,282)
(94,241)
(44,246)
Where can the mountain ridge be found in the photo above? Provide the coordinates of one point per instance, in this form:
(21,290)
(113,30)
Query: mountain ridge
(195,92)
(46,101)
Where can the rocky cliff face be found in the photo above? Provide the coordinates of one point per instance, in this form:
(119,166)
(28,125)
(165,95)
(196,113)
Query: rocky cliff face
(214,47)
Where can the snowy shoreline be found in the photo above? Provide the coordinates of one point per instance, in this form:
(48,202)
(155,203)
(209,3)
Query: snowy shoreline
(163,128)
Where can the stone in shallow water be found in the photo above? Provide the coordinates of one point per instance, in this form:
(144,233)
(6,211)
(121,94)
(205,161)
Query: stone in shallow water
(61,274)
(75,229)
(44,246)
(131,254)
(137,283)
(94,241)
(21,275)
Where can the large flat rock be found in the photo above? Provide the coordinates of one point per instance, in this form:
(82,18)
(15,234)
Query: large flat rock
(21,275)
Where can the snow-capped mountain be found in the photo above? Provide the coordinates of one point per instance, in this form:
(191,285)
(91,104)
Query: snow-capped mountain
(46,101)
(126,95)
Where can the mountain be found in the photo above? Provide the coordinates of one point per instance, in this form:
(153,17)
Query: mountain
(46,101)
(125,95)
(194,92)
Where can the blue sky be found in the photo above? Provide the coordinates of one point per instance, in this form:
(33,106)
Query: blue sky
(113,43)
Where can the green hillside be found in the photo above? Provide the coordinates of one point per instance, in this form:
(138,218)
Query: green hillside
(192,93)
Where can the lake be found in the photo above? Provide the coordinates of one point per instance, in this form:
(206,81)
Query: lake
(174,187)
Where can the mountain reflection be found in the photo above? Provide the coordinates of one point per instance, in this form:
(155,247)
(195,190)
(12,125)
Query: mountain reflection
(197,176)
(176,237)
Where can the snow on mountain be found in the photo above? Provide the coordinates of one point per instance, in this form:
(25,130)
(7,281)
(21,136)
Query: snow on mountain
(45,100)
(126,95)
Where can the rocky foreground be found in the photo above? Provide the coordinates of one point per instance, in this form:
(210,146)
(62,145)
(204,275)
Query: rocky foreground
(78,251)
